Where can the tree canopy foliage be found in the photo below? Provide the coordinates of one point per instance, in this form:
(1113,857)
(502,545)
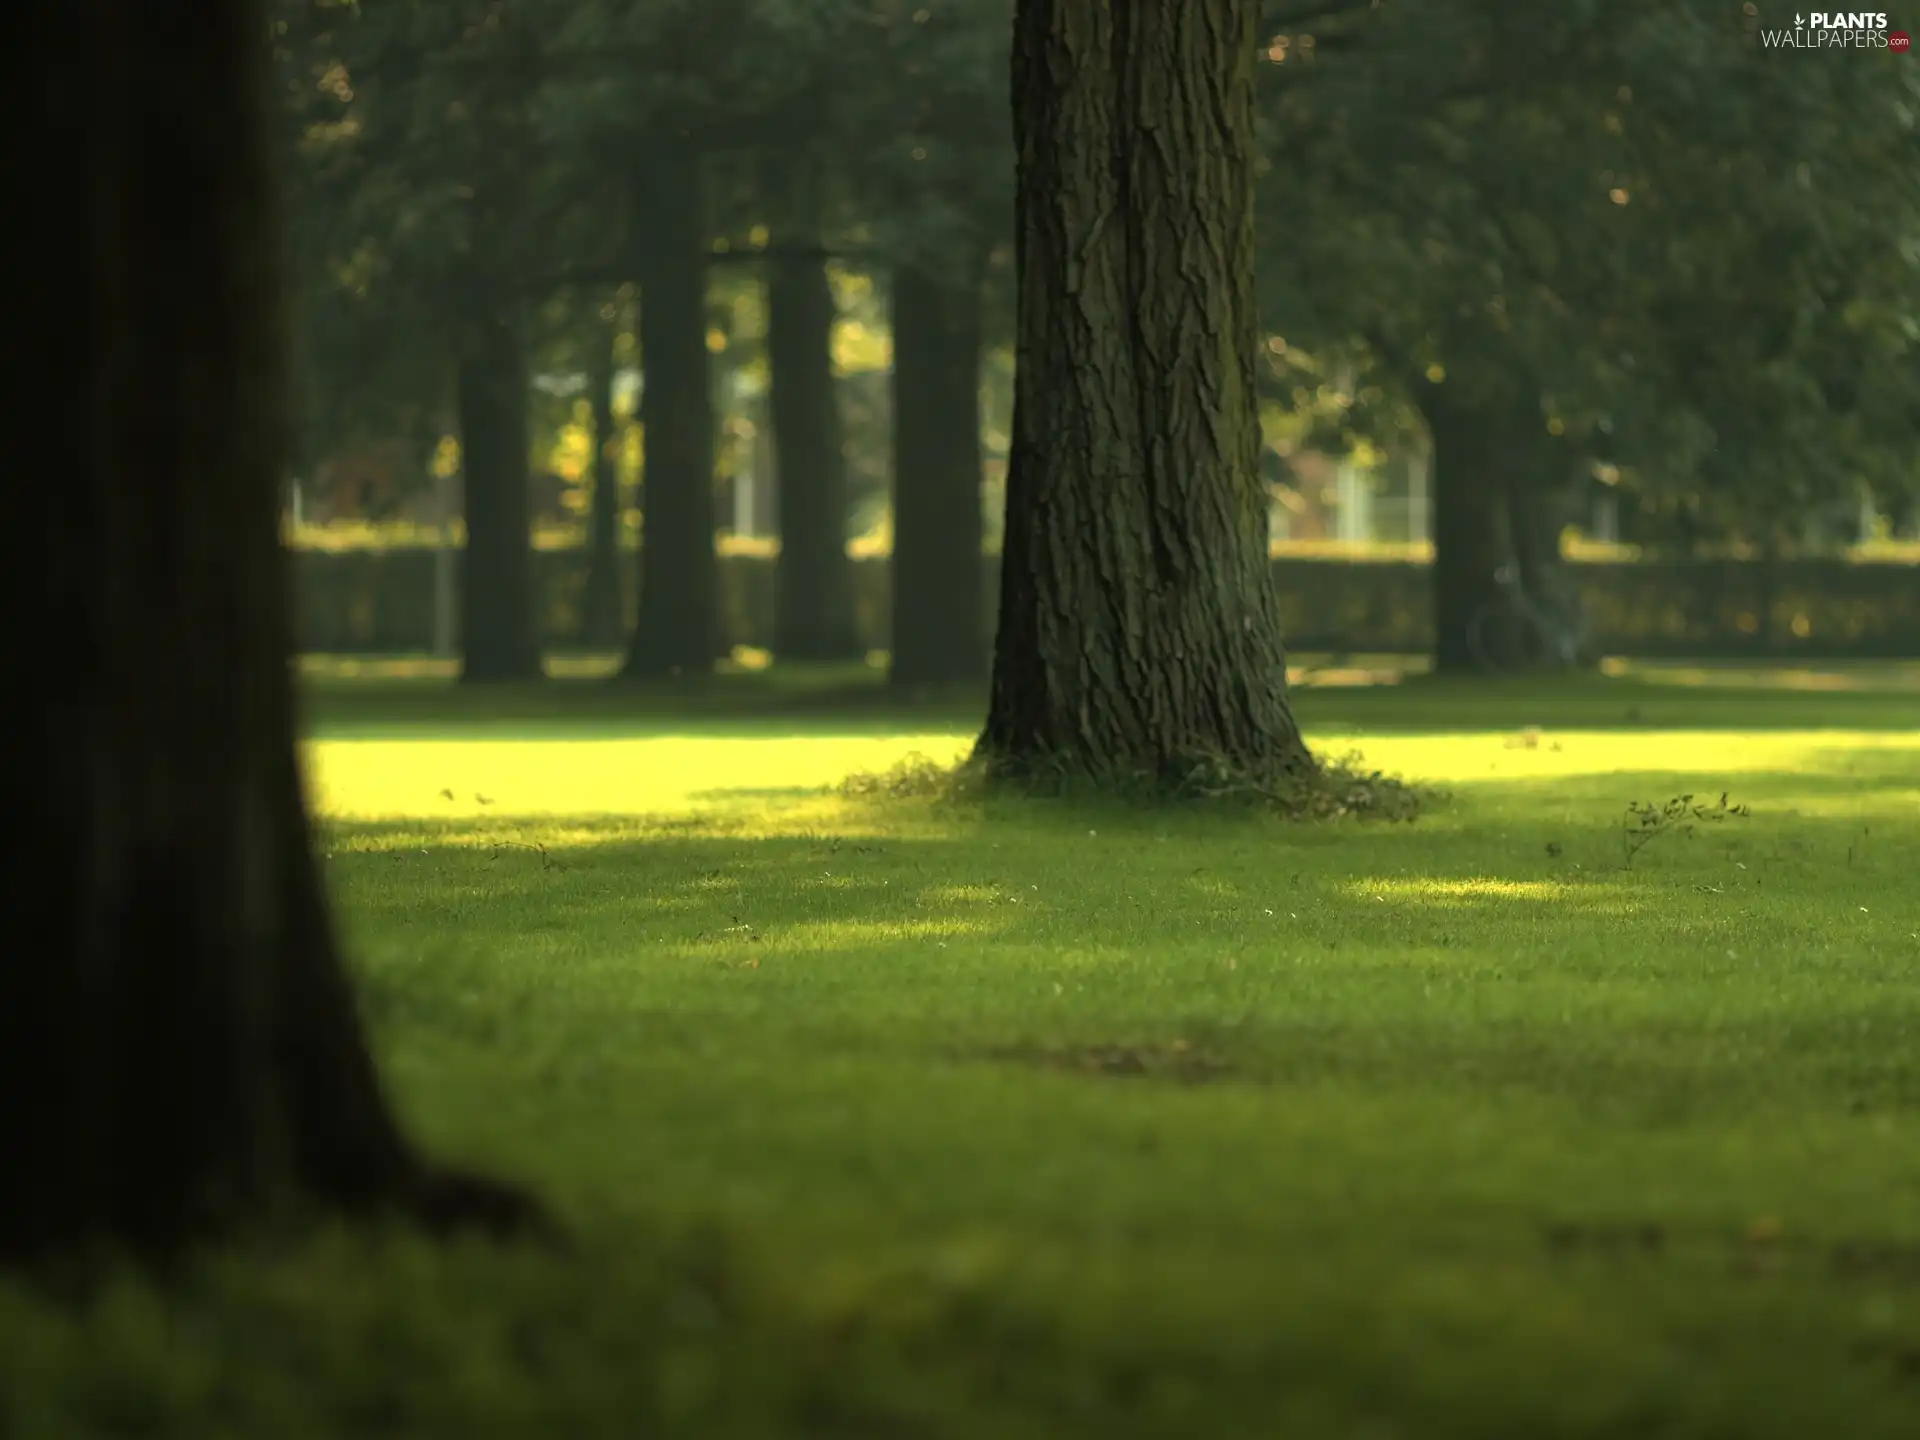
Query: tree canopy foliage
(1699,255)
(1702,252)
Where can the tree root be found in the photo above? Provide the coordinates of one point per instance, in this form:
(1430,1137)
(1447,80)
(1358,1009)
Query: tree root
(1323,788)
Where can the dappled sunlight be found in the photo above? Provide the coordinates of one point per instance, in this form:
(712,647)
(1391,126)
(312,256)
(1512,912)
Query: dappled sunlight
(1218,889)
(832,880)
(960,895)
(1576,901)
(1461,760)
(568,840)
(353,834)
(816,936)
(1837,676)
(1353,672)
(446,779)
(548,799)
(1479,887)
(377,667)
(440,667)
(601,665)
(1086,959)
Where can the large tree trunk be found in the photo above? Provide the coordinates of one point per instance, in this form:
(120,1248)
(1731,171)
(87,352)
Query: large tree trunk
(939,628)
(814,617)
(1138,625)
(499,626)
(606,606)
(178,1042)
(679,623)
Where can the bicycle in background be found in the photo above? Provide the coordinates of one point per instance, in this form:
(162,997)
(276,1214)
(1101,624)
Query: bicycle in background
(1517,631)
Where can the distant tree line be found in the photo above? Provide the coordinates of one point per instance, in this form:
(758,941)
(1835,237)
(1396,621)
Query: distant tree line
(1616,234)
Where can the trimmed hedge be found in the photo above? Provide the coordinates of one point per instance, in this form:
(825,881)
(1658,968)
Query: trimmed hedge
(380,601)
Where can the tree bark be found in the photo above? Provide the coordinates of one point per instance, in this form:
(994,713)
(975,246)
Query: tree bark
(1138,626)
(178,1041)
(606,607)
(679,623)
(499,626)
(814,617)
(939,629)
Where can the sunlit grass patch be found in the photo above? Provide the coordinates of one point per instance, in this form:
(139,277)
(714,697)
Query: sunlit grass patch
(827,936)
(796,781)
(1833,676)
(1527,753)
(460,777)
(1444,890)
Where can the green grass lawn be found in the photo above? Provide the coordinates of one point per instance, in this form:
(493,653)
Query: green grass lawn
(894,1118)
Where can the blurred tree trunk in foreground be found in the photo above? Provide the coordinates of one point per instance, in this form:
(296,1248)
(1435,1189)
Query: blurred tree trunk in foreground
(178,1042)
(938,628)
(1138,629)
(679,624)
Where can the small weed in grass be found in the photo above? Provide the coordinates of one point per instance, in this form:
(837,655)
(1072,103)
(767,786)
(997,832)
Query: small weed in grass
(1647,822)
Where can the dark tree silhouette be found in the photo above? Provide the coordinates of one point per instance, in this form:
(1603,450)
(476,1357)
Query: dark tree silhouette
(606,602)
(813,614)
(939,630)
(1138,626)
(499,626)
(1471,538)
(678,631)
(178,1041)
(1501,485)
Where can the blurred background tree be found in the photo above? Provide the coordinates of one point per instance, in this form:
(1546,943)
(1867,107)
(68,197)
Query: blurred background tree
(1619,283)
